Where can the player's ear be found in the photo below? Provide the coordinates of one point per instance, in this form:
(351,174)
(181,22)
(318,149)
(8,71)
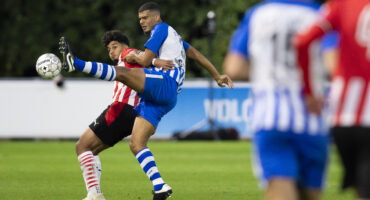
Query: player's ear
(157,17)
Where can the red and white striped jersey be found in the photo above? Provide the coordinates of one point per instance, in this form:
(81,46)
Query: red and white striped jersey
(350,87)
(121,92)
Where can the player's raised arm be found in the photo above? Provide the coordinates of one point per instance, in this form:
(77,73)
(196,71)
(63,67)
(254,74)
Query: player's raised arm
(221,80)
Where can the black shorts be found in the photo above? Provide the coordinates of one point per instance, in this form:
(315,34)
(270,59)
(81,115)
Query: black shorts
(114,123)
(353,144)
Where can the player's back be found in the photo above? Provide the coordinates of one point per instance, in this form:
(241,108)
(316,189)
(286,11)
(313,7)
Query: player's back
(272,26)
(275,77)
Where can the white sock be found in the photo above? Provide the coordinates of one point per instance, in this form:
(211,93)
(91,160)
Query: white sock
(97,167)
(89,172)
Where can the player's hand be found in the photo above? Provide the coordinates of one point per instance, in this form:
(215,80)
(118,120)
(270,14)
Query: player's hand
(130,58)
(165,64)
(224,80)
(314,104)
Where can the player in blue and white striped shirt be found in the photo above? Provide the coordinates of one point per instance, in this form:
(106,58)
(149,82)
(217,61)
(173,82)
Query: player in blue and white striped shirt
(290,143)
(158,88)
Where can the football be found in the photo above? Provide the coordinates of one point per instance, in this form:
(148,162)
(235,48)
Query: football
(48,65)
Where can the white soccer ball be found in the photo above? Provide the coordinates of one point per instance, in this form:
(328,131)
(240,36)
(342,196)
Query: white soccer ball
(48,65)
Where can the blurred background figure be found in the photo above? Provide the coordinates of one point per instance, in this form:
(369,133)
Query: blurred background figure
(290,144)
(350,90)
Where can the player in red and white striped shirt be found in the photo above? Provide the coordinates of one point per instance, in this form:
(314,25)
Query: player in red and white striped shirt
(350,87)
(113,124)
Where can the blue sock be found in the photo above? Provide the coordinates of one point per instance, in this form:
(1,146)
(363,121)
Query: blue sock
(147,163)
(99,70)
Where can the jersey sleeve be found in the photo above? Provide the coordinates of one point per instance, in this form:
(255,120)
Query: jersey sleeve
(239,40)
(185,45)
(157,37)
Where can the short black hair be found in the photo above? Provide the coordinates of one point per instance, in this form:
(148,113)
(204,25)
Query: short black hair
(152,6)
(114,35)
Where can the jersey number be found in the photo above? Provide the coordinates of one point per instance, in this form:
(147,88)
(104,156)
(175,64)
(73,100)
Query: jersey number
(283,53)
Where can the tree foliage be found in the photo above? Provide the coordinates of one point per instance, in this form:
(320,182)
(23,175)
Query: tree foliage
(31,28)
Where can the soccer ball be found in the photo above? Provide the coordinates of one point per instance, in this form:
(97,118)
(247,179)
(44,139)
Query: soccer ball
(48,65)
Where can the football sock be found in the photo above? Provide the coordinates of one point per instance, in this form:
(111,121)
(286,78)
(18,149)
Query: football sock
(97,167)
(147,163)
(99,70)
(87,163)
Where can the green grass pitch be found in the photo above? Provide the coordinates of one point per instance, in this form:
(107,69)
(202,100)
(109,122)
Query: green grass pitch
(195,170)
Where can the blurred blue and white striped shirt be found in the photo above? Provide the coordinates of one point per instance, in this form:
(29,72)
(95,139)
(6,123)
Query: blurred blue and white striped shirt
(264,39)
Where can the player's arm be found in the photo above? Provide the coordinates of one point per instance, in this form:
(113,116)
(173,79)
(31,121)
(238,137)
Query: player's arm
(152,46)
(236,66)
(304,39)
(144,59)
(236,63)
(302,42)
(194,54)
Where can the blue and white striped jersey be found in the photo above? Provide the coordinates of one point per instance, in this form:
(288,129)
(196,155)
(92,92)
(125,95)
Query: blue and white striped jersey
(168,45)
(264,37)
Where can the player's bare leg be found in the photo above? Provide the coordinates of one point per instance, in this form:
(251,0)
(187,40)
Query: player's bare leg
(281,189)
(87,149)
(141,133)
(90,142)
(132,77)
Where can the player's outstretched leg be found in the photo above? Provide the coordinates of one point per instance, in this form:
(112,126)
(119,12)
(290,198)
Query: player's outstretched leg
(70,63)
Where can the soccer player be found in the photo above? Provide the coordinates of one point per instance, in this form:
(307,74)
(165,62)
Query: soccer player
(157,88)
(350,86)
(113,124)
(290,145)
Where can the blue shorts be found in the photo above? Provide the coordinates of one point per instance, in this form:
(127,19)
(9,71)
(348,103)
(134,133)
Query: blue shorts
(300,157)
(158,98)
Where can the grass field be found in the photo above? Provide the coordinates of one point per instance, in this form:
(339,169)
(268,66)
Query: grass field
(195,170)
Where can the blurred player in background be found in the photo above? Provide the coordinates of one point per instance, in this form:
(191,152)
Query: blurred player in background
(290,145)
(157,87)
(350,89)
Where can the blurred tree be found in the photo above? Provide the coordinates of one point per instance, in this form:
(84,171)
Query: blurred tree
(31,28)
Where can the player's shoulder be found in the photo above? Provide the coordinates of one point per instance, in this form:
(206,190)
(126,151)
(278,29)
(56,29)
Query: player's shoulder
(160,28)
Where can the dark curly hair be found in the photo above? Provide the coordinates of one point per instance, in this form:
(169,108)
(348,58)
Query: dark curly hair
(114,35)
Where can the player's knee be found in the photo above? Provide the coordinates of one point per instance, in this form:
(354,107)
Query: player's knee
(81,147)
(135,147)
(78,147)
